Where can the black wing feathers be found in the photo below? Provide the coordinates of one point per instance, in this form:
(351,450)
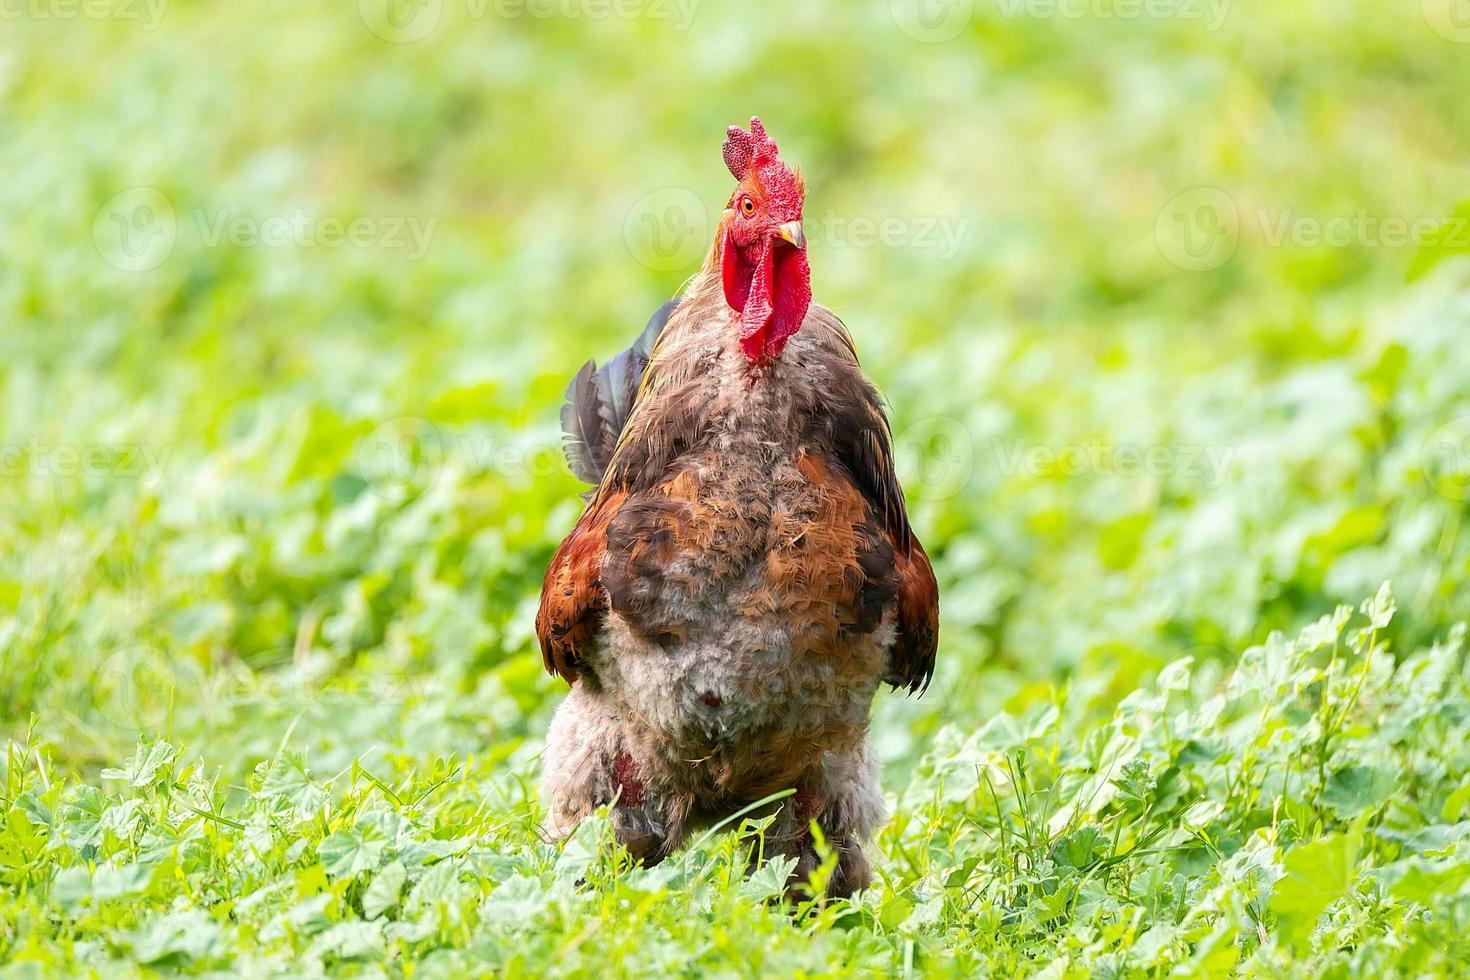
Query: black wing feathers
(599,401)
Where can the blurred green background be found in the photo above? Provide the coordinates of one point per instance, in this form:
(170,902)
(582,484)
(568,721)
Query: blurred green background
(289,308)
(1168,299)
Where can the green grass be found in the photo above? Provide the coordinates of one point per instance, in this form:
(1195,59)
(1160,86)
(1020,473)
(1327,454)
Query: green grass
(276,504)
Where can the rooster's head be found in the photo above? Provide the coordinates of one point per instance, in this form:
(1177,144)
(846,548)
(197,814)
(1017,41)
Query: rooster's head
(761,247)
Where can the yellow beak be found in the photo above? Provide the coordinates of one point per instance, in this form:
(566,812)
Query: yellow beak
(791,232)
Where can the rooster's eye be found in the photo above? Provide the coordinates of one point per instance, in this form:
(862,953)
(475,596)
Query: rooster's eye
(747,206)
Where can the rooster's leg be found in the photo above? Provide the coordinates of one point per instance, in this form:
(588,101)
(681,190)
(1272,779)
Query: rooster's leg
(586,764)
(843,796)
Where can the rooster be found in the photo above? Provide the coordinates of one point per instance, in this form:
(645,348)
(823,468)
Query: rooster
(744,574)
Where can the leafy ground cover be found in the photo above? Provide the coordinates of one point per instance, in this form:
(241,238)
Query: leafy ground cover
(1172,314)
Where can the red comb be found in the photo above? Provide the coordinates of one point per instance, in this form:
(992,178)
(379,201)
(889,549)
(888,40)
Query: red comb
(742,148)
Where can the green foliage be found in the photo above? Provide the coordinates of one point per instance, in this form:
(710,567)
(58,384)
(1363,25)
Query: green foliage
(1210,825)
(276,510)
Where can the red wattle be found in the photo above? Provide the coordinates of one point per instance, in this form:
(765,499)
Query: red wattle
(734,273)
(771,294)
(791,296)
(759,306)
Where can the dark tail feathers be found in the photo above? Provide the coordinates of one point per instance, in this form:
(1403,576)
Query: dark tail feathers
(599,401)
